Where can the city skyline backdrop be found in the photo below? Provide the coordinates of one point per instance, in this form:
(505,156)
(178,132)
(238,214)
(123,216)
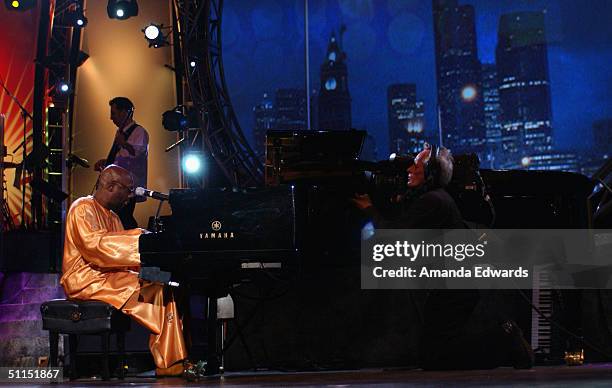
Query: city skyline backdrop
(389,42)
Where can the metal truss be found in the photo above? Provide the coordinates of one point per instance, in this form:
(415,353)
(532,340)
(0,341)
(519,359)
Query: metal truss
(51,61)
(57,57)
(57,60)
(198,24)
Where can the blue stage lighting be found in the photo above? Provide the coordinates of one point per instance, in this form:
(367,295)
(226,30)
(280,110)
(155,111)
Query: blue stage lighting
(62,87)
(75,18)
(193,163)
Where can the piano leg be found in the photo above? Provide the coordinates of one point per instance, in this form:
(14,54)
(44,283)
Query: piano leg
(212,359)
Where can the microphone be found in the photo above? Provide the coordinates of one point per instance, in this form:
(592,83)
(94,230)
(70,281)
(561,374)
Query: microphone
(74,159)
(142,192)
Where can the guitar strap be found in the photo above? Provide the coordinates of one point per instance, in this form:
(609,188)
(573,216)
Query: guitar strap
(115,148)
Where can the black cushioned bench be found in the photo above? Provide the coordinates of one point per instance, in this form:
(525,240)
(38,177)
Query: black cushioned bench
(75,318)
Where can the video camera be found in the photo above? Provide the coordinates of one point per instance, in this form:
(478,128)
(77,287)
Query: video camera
(386,179)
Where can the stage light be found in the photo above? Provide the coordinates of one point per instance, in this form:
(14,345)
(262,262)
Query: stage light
(19,5)
(62,88)
(152,31)
(60,93)
(174,120)
(154,35)
(75,18)
(81,21)
(193,163)
(192,63)
(121,9)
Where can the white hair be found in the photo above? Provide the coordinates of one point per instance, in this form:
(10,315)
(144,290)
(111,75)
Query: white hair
(445,161)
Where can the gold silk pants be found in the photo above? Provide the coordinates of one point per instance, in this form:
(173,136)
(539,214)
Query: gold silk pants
(153,306)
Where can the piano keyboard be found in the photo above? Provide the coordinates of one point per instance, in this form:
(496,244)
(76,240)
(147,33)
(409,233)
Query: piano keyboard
(542,298)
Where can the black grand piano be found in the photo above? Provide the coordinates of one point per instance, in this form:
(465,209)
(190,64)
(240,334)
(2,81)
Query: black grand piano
(216,238)
(225,230)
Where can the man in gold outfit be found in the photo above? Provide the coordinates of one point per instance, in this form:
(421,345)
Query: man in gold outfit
(101,262)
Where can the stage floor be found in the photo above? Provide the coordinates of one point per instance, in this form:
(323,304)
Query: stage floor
(593,375)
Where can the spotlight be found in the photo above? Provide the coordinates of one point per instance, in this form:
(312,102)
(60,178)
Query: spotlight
(121,9)
(81,22)
(76,18)
(62,88)
(194,61)
(60,93)
(19,5)
(152,31)
(174,120)
(193,162)
(154,35)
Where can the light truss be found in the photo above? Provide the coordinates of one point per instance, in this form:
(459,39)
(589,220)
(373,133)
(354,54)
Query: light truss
(198,25)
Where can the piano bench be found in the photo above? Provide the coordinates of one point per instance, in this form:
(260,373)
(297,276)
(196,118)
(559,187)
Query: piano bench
(75,318)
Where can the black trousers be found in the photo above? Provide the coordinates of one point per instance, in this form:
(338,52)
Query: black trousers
(126,214)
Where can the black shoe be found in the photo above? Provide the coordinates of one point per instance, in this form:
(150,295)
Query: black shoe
(521,352)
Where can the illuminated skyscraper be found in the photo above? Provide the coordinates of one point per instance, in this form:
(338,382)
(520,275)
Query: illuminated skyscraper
(406,119)
(290,107)
(524,87)
(264,120)
(334,98)
(490,94)
(550,161)
(460,98)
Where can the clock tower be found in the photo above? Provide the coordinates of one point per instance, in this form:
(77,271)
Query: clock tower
(334,97)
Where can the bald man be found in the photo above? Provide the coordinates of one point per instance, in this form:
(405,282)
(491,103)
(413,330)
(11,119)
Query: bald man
(101,262)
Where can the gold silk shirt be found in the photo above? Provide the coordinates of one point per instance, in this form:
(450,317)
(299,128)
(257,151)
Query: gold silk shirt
(101,259)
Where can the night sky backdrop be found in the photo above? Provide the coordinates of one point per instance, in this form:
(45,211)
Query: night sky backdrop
(391,41)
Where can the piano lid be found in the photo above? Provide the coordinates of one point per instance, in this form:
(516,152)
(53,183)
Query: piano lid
(223,219)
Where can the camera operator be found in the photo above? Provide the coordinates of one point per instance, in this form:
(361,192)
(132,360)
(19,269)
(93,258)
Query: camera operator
(447,341)
(425,204)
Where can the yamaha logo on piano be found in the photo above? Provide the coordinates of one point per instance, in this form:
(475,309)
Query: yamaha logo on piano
(216,234)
